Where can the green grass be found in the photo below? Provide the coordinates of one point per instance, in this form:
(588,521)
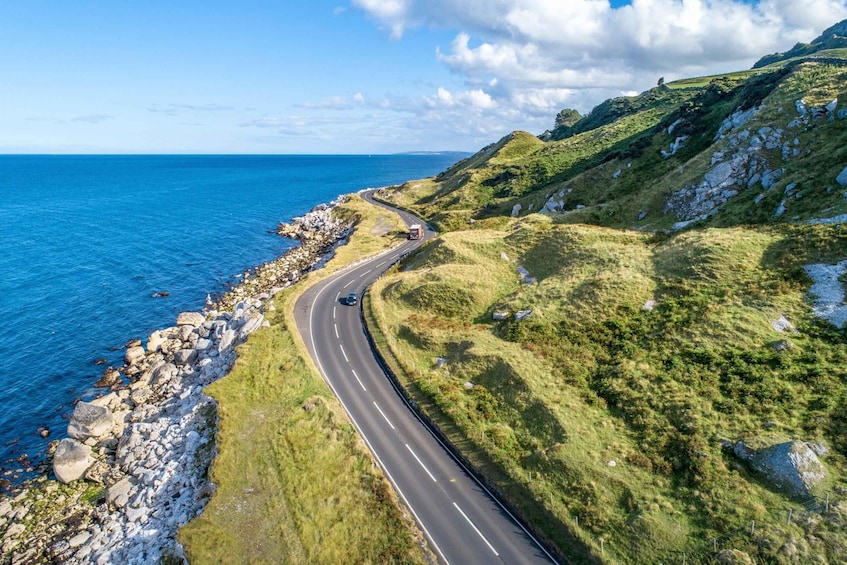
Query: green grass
(294,482)
(591,377)
(702,82)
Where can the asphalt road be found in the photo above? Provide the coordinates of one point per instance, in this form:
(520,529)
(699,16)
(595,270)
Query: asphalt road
(462,520)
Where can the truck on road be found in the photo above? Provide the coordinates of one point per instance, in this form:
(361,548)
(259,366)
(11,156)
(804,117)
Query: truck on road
(415,231)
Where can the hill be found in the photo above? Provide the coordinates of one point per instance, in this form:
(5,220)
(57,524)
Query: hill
(618,328)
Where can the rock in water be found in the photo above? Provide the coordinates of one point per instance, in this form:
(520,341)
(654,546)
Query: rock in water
(72,460)
(111,377)
(89,420)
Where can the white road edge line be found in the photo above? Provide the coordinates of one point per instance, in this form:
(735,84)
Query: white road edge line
(421,463)
(336,330)
(491,547)
(384,416)
(348,284)
(343,353)
(362,433)
(360,381)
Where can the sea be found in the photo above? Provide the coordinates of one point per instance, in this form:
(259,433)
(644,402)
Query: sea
(87,243)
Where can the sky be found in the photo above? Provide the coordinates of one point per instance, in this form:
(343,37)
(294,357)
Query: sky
(354,76)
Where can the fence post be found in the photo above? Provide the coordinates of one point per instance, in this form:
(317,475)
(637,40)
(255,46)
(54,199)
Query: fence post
(753,528)
(790,510)
(715,544)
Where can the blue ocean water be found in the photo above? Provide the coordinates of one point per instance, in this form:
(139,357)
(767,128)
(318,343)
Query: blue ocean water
(86,240)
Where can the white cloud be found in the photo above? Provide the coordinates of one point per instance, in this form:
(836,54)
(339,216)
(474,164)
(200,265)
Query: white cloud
(535,55)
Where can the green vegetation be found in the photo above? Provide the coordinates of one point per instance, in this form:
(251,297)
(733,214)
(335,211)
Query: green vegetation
(294,482)
(607,416)
(831,39)
(592,378)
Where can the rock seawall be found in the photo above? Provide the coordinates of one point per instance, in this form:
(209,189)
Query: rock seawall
(148,444)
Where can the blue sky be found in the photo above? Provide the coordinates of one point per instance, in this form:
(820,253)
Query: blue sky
(354,76)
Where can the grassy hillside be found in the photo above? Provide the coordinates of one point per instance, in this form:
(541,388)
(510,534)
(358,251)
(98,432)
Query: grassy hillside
(648,259)
(611,415)
(615,174)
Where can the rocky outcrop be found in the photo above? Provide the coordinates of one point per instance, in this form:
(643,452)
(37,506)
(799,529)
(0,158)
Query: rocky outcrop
(744,162)
(827,292)
(71,460)
(793,467)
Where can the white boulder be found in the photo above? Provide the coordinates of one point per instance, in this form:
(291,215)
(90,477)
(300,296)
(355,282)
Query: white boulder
(90,421)
(193,319)
(72,460)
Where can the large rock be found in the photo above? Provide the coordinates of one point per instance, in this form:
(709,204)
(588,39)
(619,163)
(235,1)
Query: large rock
(163,374)
(185,356)
(71,460)
(90,420)
(118,493)
(842,177)
(193,319)
(154,343)
(133,355)
(792,466)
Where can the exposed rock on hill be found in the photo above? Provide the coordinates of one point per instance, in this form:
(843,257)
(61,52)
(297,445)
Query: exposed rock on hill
(793,466)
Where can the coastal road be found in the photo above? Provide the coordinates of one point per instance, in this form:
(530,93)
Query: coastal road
(462,520)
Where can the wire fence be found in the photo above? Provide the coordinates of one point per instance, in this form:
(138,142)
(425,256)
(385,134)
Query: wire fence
(711,548)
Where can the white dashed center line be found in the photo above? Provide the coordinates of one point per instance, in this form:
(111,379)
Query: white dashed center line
(384,416)
(360,381)
(421,463)
(476,530)
(342,352)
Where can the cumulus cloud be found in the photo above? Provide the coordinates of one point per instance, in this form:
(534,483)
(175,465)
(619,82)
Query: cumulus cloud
(538,55)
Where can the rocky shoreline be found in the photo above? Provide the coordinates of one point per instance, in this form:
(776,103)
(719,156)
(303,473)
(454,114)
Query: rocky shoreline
(134,467)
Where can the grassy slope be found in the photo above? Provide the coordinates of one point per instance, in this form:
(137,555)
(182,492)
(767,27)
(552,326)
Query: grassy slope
(297,485)
(582,168)
(592,378)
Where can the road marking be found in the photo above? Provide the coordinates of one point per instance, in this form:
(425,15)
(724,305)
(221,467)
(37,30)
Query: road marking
(421,463)
(333,310)
(337,296)
(348,284)
(476,530)
(362,432)
(365,273)
(380,265)
(342,352)
(336,330)
(360,381)
(384,416)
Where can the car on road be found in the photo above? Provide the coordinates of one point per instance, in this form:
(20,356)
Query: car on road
(351,299)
